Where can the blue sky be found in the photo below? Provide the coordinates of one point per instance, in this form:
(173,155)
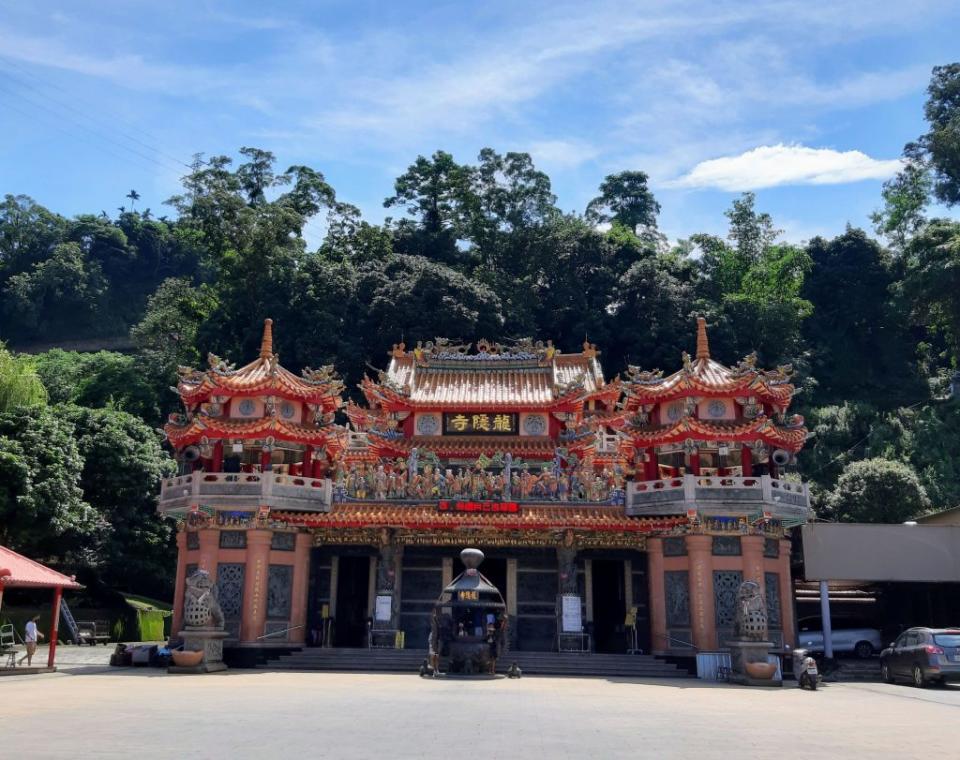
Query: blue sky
(807,103)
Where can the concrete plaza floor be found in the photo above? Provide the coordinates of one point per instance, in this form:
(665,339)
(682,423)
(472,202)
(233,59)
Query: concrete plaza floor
(91,711)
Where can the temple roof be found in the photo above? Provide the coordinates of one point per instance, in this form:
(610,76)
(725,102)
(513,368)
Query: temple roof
(527,375)
(263,375)
(704,376)
(530,517)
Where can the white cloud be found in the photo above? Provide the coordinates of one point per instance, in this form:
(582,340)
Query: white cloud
(773,165)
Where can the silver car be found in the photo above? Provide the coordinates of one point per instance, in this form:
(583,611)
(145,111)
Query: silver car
(863,642)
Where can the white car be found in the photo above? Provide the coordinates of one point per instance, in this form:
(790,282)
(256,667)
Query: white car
(863,642)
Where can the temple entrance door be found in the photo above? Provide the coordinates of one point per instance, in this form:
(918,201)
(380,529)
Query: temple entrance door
(609,606)
(353,589)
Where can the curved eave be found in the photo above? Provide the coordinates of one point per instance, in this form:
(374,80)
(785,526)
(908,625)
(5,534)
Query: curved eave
(685,385)
(186,435)
(762,428)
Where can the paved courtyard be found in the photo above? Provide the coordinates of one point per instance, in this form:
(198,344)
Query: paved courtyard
(90,711)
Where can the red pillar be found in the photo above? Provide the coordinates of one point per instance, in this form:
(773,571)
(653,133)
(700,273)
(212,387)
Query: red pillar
(307,468)
(651,471)
(179,583)
(254,615)
(301,576)
(746,461)
(658,603)
(266,461)
(217,464)
(695,463)
(702,605)
(54,625)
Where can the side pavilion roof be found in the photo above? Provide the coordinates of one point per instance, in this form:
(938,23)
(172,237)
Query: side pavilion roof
(17,571)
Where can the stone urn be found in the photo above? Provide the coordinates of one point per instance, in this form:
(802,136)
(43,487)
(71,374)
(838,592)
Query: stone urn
(186,659)
(762,671)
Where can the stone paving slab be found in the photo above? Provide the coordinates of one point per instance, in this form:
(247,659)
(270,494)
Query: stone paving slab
(146,713)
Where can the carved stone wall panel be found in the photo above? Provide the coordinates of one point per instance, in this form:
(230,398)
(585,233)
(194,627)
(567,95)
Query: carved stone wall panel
(726,583)
(283,542)
(279,592)
(771,548)
(230,595)
(674,546)
(726,546)
(676,585)
(233,539)
(772,595)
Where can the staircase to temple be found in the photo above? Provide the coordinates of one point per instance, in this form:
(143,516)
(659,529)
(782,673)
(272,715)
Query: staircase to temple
(532,663)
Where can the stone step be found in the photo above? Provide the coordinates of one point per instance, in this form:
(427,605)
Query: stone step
(532,663)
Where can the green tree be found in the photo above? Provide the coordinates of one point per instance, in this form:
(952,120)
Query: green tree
(878,491)
(61,296)
(123,463)
(20,385)
(859,344)
(940,146)
(42,509)
(931,283)
(168,335)
(437,193)
(100,379)
(751,290)
(626,200)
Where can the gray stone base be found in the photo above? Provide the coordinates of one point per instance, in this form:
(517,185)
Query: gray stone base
(206,640)
(742,652)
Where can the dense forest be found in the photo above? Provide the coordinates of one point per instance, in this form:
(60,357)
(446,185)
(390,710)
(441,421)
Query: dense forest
(870,320)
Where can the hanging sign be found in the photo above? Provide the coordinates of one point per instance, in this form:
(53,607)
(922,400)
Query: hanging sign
(499,507)
(481,423)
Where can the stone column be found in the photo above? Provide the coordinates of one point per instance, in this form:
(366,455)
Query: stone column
(209,539)
(446,577)
(387,580)
(180,583)
(254,615)
(658,602)
(702,606)
(786,595)
(588,588)
(512,602)
(298,594)
(752,549)
(567,568)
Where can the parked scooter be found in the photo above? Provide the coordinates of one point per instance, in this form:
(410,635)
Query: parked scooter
(805,670)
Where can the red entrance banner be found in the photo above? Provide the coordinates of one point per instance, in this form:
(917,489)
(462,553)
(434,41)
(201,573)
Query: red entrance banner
(502,507)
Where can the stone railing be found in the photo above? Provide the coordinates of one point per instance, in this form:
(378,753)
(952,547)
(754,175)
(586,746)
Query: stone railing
(724,494)
(245,491)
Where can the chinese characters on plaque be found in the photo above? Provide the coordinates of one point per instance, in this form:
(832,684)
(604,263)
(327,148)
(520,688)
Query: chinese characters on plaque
(480,423)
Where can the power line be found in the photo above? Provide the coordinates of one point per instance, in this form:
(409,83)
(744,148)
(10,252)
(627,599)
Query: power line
(99,123)
(85,128)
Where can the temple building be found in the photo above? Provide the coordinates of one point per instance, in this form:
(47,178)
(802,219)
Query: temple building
(614,515)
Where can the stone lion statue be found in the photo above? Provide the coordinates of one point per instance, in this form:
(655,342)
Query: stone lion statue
(200,606)
(751,620)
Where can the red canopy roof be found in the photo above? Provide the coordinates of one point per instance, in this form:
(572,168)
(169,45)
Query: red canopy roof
(27,573)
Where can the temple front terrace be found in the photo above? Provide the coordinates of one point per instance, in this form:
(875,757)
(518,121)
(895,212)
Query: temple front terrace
(245,491)
(721,495)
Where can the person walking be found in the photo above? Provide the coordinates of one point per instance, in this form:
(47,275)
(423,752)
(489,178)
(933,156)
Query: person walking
(30,640)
